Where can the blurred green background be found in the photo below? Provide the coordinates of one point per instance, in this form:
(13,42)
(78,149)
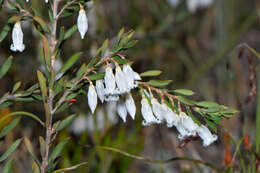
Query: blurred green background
(196,49)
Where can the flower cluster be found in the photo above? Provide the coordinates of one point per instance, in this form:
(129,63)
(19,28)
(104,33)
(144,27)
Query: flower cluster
(157,113)
(192,5)
(116,88)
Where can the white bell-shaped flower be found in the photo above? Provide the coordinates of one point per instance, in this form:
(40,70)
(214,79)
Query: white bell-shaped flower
(147,113)
(111,112)
(130,105)
(82,23)
(120,80)
(46,1)
(17,37)
(157,109)
(92,98)
(183,132)
(128,75)
(27,0)
(100,90)
(170,117)
(110,81)
(188,123)
(136,76)
(206,135)
(121,110)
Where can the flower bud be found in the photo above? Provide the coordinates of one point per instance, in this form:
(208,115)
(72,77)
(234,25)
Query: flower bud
(17,37)
(121,110)
(100,90)
(92,98)
(147,113)
(82,23)
(130,105)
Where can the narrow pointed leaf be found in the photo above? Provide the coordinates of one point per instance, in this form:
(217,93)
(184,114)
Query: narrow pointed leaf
(159,83)
(73,59)
(6,66)
(29,147)
(151,73)
(70,168)
(66,122)
(7,167)
(10,126)
(185,92)
(57,150)
(10,150)
(42,82)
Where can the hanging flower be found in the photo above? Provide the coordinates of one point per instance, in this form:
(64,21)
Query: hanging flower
(130,76)
(110,81)
(121,81)
(92,98)
(121,110)
(100,90)
(46,1)
(206,135)
(82,23)
(157,109)
(170,117)
(130,105)
(17,36)
(186,126)
(147,113)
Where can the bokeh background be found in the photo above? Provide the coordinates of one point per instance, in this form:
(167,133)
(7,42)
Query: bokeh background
(195,46)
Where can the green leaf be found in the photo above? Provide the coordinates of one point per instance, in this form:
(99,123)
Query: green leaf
(16,86)
(186,101)
(229,112)
(35,168)
(57,150)
(42,145)
(207,104)
(81,71)
(182,91)
(42,82)
(70,32)
(120,60)
(5,104)
(97,76)
(29,147)
(193,117)
(10,150)
(70,168)
(72,60)
(59,86)
(9,127)
(92,63)
(212,125)
(6,66)
(104,47)
(151,73)
(42,23)
(7,167)
(159,83)
(66,122)
(130,44)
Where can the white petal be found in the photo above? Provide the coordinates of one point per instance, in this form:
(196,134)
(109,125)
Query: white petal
(100,119)
(188,124)
(110,81)
(128,72)
(79,125)
(183,132)
(157,109)
(17,37)
(100,90)
(130,105)
(121,110)
(111,112)
(92,98)
(120,80)
(170,117)
(46,1)
(206,135)
(82,23)
(136,76)
(147,113)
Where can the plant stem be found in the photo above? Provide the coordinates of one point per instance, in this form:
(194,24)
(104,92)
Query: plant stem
(49,107)
(258,118)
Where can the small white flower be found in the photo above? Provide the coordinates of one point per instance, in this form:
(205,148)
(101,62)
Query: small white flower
(188,124)
(130,105)
(111,112)
(183,132)
(92,98)
(121,110)
(147,113)
(193,5)
(100,119)
(27,0)
(79,125)
(206,135)
(157,109)
(82,23)
(136,76)
(170,117)
(46,1)
(120,80)
(128,75)
(100,90)
(17,36)
(110,81)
